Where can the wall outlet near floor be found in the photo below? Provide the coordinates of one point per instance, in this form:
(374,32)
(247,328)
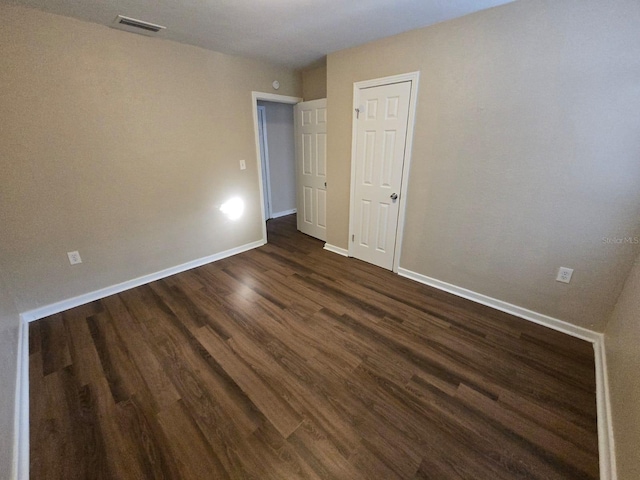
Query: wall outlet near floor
(564,274)
(243,165)
(74,257)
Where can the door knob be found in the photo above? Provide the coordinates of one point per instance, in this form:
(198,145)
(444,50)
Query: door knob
(394,196)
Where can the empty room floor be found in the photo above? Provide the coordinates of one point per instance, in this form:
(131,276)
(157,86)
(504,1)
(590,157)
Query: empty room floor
(291,362)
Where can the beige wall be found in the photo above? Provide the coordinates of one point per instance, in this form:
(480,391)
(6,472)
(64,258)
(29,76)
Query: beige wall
(525,150)
(622,338)
(122,147)
(314,83)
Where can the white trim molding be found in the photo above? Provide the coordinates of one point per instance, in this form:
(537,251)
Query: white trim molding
(63,305)
(340,251)
(606,448)
(284,213)
(606,444)
(20,467)
(554,323)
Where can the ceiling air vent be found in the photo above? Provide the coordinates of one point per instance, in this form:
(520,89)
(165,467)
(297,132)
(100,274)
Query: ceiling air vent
(137,26)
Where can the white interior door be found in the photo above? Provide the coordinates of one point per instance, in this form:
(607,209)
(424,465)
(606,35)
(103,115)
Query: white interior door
(381,138)
(310,131)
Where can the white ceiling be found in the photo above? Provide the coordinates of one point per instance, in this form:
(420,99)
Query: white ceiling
(295,33)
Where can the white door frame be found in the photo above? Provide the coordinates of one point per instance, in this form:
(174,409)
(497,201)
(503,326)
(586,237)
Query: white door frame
(268,97)
(412,77)
(264,155)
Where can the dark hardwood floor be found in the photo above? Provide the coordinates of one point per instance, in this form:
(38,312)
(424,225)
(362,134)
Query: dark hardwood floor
(290,362)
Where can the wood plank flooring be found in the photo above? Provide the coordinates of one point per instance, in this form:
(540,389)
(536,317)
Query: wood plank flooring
(290,362)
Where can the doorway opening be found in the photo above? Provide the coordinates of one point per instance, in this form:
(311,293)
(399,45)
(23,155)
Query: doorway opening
(274,157)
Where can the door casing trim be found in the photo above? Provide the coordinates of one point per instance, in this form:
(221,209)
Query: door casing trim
(414,78)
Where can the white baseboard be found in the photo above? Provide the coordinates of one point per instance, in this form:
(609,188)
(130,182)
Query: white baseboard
(606,449)
(63,305)
(547,321)
(284,213)
(21,425)
(338,250)
(20,467)
(606,445)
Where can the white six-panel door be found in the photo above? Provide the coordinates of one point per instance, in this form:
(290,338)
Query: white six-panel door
(310,130)
(381,136)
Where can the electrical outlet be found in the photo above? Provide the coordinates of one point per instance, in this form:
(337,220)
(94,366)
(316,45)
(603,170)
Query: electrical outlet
(564,274)
(74,257)
(243,165)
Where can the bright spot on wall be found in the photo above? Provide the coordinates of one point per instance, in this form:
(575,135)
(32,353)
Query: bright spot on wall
(233,208)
